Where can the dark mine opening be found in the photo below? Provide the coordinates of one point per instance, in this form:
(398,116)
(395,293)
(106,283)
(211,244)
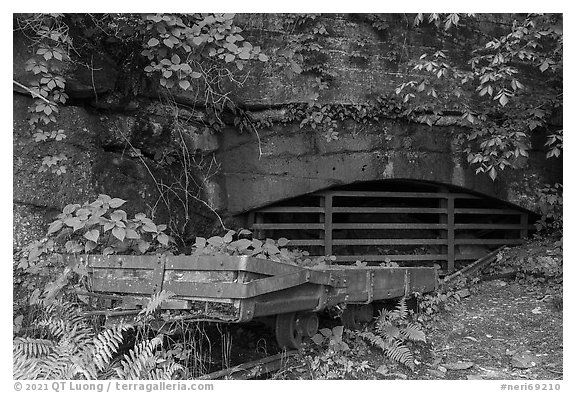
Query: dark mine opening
(404,222)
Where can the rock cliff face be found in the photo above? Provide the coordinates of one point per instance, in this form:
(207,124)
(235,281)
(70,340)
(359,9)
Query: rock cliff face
(162,159)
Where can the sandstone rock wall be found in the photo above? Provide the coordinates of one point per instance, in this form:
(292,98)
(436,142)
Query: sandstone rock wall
(234,172)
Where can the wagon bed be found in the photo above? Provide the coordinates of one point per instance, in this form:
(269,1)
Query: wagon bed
(241,288)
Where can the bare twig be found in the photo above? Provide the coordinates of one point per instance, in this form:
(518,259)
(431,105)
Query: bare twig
(33,93)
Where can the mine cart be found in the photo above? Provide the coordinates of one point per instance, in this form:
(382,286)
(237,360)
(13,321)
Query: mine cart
(241,288)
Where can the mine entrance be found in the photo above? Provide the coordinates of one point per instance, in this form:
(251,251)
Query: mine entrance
(407,222)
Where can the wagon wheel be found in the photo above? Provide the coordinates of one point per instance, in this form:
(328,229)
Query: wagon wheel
(287,334)
(355,315)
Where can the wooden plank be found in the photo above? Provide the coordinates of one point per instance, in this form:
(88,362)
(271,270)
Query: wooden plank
(488,241)
(305,242)
(363,242)
(388,226)
(328,225)
(159,271)
(382,258)
(135,286)
(144,262)
(232,263)
(387,210)
(252,369)
(486,211)
(291,209)
(479,264)
(288,226)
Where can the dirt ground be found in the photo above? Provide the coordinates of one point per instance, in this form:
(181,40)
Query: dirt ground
(501,328)
(505,330)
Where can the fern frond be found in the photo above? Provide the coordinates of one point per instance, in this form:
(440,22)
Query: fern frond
(374,339)
(413,332)
(140,361)
(387,330)
(401,311)
(32,347)
(156,301)
(105,345)
(400,353)
(26,368)
(167,371)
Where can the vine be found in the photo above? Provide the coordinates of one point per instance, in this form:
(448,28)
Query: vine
(52,42)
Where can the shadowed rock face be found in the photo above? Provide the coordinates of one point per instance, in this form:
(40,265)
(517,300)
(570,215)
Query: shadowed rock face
(289,161)
(249,170)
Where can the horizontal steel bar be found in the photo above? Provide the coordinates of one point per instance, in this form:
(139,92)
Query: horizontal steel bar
(388,226)
(382,258)
(488,226)
(290,209)
(288,226)
(461,210)
(387,210)
(391,194)
(351,242)
(488,241)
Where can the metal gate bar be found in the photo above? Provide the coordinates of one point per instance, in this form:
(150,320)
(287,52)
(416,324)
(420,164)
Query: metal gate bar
(447,226)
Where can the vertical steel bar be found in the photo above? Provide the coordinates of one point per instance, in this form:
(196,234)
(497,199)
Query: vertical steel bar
(443,219)
(450,223)
(524,224)
(258,219)
(322,220)
(328,225)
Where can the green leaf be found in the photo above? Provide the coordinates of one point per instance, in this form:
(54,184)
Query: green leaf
(74,222)
(68,209)
(163,239)
(241,244)
(195,74)
(55,226)
(245,54)
(132,234)
(143,246)
(283,242)
(198,40)
(492,173)
(116,202)
(337,331)
(117,215)
(184,84)
(200,242)
(119,233)
(318,339)
(89,246)
(229,58)
(92,235)
(153,42)
(271,249)
(108,225)
(228,237)
(215,241)
(149,227)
